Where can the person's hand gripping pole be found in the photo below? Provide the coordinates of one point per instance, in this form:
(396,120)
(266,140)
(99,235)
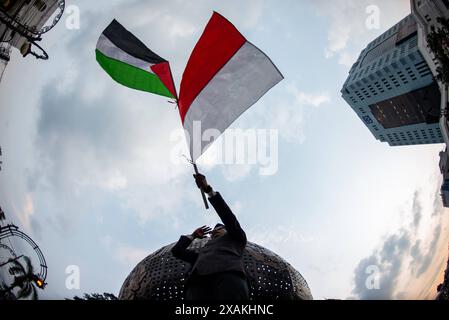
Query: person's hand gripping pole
(202,184)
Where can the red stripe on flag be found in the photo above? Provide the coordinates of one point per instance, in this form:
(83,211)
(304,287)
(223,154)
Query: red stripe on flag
(162,70)
(216,46)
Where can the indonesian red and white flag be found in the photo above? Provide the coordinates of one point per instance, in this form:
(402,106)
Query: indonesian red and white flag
(225,75)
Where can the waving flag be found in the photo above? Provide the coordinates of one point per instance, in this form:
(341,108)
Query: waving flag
(129,62)
(225,75)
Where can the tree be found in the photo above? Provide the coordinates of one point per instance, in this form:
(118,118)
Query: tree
(438,42)
(97,296)
(2,215)
(5,294)
(24,279)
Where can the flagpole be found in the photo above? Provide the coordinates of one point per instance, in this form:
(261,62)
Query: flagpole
(202,192)
(195,168)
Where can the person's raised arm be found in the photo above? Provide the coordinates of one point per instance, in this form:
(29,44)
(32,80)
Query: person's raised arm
(229,219)
(180,251)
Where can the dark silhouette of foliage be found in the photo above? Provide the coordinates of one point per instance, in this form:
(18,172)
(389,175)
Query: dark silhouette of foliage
(6,294)
(96,296)
(438,42)
(24,279)
(2,215)
(443,288)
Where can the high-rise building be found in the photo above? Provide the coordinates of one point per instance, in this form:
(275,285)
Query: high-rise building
(426,13)
(392,89)
(22,22)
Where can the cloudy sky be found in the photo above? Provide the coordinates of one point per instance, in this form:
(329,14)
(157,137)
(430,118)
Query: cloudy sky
(88,164)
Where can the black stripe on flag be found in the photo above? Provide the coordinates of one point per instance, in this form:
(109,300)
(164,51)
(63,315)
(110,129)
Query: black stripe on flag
(126,41)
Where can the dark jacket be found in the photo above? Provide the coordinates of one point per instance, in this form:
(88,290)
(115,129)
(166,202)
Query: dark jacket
(219,254)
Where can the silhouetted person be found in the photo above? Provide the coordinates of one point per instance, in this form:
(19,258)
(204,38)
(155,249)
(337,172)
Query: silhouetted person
(217,270)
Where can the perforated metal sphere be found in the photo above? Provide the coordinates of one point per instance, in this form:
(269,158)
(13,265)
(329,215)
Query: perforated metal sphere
(161,276)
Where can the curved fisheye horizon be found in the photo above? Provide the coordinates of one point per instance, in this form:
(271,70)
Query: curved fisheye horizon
(321,127)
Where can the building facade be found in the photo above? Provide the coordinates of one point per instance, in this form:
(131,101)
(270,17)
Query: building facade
(426,13)
(22,22)
(392,89)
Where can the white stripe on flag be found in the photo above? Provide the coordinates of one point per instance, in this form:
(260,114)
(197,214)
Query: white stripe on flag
(243,80)
(112,51)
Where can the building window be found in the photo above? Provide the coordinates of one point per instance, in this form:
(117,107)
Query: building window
(418,106)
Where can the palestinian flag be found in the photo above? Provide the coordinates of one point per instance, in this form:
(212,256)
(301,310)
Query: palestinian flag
(129,62)
(225,75)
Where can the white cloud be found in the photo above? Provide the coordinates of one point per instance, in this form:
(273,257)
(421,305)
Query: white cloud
(338,39)
(276,236)
(287,115)
(114,181)
(130,256)
(119,142)
(127,255)
(236,206)
(25,212)
(308,99)
(181,30)
(288,118)
(347,59)
(234,172)
(348,33)
(401,258)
